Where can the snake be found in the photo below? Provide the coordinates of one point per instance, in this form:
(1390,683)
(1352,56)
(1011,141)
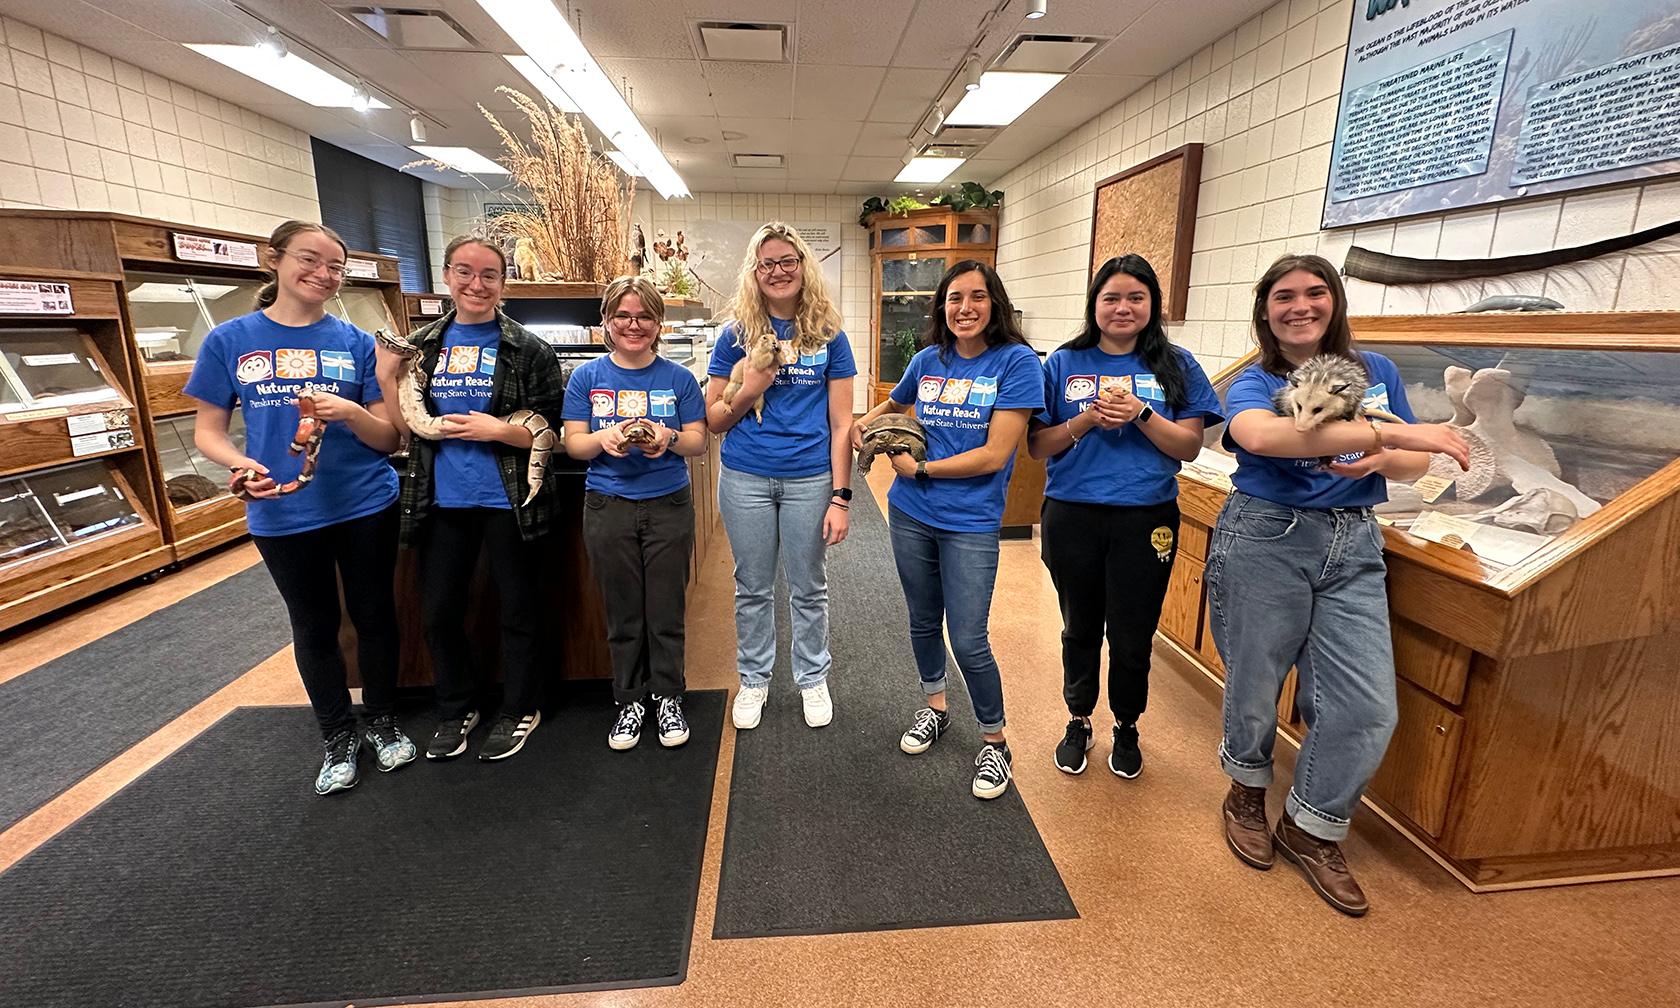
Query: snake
(306,442)
(411,400)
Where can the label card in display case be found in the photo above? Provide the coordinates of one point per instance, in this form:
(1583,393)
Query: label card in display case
(83,500)
(361,269)
(222,251)
(28,297)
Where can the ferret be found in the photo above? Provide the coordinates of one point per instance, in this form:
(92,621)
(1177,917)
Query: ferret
(1326,387)
(762,351)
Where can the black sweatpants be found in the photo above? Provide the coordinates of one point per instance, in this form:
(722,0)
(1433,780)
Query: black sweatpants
(1110,565)
(364,553)
(449,544)
(640,551)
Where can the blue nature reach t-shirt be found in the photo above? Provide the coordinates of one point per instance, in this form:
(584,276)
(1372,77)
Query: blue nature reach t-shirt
(793,439)
(954,400)
(465,473)
(603,393)
(1119,466)
(1299,482)
(261,366)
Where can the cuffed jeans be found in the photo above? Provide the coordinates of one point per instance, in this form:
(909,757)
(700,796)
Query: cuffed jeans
(640,550)
(770,520)
(948,579)
(1303,587)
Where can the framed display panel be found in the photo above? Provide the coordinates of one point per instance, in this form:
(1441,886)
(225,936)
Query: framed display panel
(1530,656)
(59,399)
(1150,209)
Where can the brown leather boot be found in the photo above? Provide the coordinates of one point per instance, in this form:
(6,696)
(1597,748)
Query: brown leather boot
(1321,862)
(1245,826)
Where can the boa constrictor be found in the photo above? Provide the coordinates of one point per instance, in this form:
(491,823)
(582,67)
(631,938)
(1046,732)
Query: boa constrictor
(411,399)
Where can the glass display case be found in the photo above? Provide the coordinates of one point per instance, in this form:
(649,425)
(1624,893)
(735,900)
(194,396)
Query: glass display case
(1531,599)
(364,308)
(82,500)
(188,477)
(25,529)
(43,368)
(173,314)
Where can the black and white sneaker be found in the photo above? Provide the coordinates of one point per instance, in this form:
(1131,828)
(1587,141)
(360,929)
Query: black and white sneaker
(627,730)
(924,731)
(507,736)
(991,770)
(338,764)
(1070,752)
(673,727)
(1127,759)
(391,747)
(450,740)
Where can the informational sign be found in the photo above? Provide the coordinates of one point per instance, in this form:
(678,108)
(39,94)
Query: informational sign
(29,297)
(101,441)
(1456,103)
(361,269)
(431,306)
(221,251)
(717,247)
(91,423)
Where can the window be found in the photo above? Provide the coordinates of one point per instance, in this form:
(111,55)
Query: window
(375,209)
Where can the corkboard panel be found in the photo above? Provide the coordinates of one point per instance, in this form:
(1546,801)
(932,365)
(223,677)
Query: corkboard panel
(1150,209)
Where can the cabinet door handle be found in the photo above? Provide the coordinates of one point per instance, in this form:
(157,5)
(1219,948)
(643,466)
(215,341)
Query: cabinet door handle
(1440,729)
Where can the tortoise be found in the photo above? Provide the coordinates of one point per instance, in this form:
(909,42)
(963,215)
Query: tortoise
(892,434)
(638,432)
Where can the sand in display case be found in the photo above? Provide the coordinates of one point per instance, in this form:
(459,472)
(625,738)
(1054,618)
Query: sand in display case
(47,368)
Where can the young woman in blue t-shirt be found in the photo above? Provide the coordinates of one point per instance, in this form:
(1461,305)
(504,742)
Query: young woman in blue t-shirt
(1124,409)
(786,479)
(1295,576)
(342,525)
(633,416)
(973,386)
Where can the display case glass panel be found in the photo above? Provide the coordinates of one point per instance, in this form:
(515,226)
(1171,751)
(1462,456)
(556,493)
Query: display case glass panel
(24,528)
(170,321)
(362,307)
(83,500)
(51,367)
(1554,434)
(919,276)
(903,318)
(975,233)
(188,476)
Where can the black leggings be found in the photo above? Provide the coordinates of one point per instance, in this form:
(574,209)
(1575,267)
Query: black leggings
(364,551)
(1110,565)
(449,547)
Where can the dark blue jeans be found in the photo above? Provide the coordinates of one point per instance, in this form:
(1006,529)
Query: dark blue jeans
(948,579)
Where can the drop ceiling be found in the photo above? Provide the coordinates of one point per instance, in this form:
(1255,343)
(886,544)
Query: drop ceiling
(840,107)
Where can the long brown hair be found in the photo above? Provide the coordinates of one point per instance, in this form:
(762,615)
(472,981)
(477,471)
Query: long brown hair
(277,243)
(1338,335)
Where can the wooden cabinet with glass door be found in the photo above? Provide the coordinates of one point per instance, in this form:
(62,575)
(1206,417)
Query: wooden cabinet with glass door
(908,255)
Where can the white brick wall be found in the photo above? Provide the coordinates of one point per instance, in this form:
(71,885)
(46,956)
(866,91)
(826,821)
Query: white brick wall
(83,131)
(1263,100)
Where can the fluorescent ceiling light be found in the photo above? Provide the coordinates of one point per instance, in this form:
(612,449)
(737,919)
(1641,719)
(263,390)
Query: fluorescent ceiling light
(462,159)
(929,169)
(624,164)
(290,74)
(544,84)
(548,39)
(1001,98)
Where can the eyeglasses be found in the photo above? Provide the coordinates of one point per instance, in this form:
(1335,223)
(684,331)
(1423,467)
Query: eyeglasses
(489,278)
(641,321)
(312,262)
(787,264)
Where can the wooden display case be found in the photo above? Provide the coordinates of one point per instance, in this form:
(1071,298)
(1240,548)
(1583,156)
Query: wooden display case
(177,283)
(1537,691)
(78,506)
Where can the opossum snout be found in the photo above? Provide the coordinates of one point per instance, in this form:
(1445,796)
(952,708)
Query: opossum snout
(1305,422)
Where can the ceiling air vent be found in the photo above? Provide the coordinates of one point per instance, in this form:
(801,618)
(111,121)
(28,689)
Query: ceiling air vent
(743,43)
(1047,53)
(757,160)
(412,27)
(968,136)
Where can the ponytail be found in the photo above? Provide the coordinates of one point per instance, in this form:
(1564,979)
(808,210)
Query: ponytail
(277,243)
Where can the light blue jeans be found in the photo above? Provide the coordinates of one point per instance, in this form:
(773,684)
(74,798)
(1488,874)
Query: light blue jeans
(770,520)
(948,579)
(1303,587)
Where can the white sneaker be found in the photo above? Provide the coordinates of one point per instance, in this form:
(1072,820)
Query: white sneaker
(819,707)
(749,706)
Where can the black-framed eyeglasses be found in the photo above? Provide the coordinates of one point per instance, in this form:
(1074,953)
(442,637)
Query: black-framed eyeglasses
(312,262)
(787,264)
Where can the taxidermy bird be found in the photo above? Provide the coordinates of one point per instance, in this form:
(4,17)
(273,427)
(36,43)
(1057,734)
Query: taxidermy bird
(638,249)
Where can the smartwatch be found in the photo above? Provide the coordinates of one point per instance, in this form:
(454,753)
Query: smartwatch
(672,442)
(921,470)
(844,493)
(1144,414)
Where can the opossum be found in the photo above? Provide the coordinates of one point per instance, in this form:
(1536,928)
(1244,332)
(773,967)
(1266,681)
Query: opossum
(1326,387)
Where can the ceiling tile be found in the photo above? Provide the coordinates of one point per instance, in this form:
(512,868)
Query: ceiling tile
(759,136)
(750,89)
(906,95)
(842,93)
(840,34)
(877,139)
(871,169)
(661,87)
(940,33)
(831,139)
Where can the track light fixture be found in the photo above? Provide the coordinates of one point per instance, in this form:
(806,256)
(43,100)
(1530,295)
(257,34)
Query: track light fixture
(1037,9)
(971,72)
(274,43)
(359,99)
(416,127)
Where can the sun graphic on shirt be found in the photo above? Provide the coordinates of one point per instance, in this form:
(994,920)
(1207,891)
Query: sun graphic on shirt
(294,363)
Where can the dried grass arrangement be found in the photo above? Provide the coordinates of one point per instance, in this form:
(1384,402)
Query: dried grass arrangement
(576,218)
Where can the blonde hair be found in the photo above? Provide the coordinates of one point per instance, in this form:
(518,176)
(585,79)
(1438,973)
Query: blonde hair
(815,319)
(643,288)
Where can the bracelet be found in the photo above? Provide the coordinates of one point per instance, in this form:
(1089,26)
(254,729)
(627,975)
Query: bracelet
(1071,435)
(1376,433)
(842,505)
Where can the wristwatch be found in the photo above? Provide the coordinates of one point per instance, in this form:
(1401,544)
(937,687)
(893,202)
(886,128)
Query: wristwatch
(1144,414)
(844,493)
(672,442)
(921,470)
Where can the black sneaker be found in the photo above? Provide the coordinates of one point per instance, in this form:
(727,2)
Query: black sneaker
(450,740)
(924,731)
(991,770)
(1070,752)
(673,727)
(507,736)
(338,764)
(1126,760)
(627,730)
(391,748)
